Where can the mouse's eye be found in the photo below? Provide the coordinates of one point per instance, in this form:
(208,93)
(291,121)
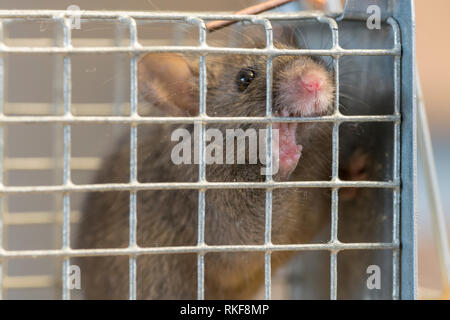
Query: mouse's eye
(244,77)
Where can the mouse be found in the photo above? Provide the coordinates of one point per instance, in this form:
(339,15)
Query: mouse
(303,86)
(236,87)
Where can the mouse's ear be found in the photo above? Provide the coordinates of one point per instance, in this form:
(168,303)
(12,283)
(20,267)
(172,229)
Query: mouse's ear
(170,82)
(284,34)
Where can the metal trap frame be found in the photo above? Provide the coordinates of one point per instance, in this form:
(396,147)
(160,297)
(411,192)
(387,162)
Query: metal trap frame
(398,14)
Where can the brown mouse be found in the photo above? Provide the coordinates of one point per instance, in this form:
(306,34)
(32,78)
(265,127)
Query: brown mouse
(236,86)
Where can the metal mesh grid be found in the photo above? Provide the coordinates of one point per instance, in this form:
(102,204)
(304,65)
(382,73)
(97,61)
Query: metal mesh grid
(134,49)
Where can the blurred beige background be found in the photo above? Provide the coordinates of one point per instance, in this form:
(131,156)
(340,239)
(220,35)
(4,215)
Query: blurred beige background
(434,61)
(434,65)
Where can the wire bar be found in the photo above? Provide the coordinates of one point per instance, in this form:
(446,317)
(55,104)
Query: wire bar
(2,145)
(269,162)
(213,50)
(206,119)
(195,249)
(67,94)
(396,167)
(197,186)
(202,161)
(335,168)
(133,156)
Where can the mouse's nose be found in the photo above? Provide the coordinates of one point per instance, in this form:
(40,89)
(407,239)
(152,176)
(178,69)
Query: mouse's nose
(305,91)
(312,81)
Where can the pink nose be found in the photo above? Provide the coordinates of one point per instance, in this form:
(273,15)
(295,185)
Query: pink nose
(312,81)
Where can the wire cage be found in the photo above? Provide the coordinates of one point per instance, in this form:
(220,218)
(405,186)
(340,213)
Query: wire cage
(24,185)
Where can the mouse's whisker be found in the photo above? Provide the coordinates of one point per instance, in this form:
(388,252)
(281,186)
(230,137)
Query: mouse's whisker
(354,99)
